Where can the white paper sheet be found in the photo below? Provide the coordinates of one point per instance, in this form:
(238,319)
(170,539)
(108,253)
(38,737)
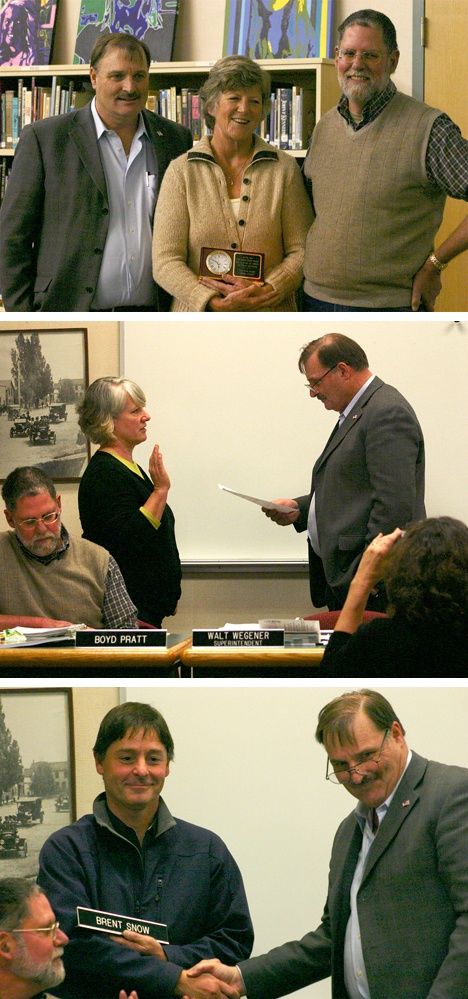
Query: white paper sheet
(260,502)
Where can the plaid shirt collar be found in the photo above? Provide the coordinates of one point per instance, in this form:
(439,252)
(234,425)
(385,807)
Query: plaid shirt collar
(371,110)
(53,555)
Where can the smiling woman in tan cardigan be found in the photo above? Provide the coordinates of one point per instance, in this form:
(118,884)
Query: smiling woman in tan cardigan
(232,191)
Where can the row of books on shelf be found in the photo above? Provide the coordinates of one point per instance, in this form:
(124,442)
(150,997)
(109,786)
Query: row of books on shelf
(180,105)
(291,118)
(28,104)
(288,124)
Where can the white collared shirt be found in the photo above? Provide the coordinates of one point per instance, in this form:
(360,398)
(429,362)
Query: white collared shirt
(355,975)
(125,277)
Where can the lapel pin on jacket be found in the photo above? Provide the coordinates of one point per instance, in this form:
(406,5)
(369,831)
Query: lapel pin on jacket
(405,803)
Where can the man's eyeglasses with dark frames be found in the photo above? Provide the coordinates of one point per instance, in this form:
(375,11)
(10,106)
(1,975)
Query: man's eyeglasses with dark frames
(340,775)
(318,380)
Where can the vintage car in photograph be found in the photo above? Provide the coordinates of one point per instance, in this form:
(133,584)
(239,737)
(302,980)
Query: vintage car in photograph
(20,428)
(42,434)
(62,803)
(10,840)
(58,412)
(29,811)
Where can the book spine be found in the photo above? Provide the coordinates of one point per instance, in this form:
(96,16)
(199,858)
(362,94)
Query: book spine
(34,99)
(173,104)
(2,119)
(14,122)
(285,100)
(20,104)
(195,117)
(184,106)
(53,93)
(58,99)
(9,94)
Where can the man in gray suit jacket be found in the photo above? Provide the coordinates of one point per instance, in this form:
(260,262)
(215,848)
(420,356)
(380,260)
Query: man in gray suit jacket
(395,925)
(76,219)
(370,475)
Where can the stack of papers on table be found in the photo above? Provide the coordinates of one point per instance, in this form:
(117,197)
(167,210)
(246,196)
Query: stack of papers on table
(16,638)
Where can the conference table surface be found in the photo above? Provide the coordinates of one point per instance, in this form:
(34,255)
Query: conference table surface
(260,662)
(179,659)
(53,661)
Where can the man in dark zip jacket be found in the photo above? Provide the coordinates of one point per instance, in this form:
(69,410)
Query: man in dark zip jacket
(132,858)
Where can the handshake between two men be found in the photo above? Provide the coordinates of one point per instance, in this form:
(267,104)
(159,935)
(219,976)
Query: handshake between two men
(211,979)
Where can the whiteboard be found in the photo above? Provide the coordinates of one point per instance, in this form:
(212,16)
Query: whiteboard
(228,406)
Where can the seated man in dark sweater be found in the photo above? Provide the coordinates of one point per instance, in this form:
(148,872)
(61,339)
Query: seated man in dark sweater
(47,577)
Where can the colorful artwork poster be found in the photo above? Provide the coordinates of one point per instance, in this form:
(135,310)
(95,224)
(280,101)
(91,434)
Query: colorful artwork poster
(278,29)
(152,21)
(26,32)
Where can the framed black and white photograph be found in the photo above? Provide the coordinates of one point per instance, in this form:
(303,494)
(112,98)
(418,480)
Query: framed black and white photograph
(43,377)
(37,789)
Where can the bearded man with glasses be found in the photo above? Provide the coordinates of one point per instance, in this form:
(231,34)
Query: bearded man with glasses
(31,943)
(379,168)
(395,925)
(48,578)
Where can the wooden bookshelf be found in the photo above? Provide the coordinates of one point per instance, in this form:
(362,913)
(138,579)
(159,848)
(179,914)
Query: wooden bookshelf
(318,76)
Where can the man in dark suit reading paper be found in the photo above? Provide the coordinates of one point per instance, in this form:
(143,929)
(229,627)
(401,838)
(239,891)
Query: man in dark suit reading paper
(370,475)
(76,219)
(395,925)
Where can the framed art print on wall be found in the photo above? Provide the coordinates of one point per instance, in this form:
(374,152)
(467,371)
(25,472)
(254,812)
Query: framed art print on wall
(26,32)
(43,376)
(37,788)
(278,29)
(151,21)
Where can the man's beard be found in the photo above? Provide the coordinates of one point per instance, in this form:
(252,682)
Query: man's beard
(45,974)
(48,543)
(361,89)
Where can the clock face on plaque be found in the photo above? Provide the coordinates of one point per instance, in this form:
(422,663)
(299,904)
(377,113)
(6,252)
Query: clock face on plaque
(218,262)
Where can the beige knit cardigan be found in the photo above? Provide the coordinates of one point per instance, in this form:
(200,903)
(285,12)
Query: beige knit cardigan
(194,210)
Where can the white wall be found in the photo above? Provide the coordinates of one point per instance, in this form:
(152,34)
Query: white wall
(229,406)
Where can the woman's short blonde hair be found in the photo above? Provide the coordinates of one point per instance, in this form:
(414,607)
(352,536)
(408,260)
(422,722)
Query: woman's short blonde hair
(234,72)
(103,401)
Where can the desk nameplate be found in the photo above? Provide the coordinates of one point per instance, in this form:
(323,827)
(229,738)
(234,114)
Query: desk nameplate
(237,639)
(111,922)
(120,638)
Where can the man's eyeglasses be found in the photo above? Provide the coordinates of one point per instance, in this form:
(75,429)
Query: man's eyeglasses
(313,386)
(340,775)
(31,523)
(369,58)
(49,930)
